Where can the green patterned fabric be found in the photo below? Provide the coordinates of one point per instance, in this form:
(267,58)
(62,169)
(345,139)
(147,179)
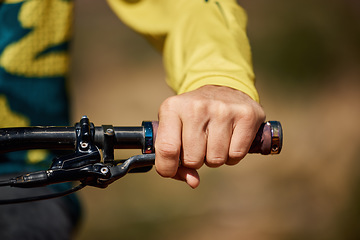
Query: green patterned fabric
(34,58)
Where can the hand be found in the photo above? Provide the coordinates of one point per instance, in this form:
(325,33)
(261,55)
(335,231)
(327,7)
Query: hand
(214,125)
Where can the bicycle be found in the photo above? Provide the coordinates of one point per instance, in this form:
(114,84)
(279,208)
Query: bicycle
(92,167)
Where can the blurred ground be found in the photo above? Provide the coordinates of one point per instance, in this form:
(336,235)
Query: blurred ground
(306,58)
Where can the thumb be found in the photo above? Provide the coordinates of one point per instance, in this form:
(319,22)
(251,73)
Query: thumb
(188,175)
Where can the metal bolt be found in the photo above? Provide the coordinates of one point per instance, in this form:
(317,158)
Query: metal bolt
(104,170)
(84,145)
(110,131)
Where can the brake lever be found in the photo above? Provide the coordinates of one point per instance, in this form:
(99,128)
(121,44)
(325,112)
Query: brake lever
(97,175)
(135,162)
(85,164)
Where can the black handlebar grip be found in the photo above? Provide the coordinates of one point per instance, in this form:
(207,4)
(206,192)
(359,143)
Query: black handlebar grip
(268,139)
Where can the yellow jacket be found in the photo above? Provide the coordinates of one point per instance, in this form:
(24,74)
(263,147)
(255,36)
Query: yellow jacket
(203,41)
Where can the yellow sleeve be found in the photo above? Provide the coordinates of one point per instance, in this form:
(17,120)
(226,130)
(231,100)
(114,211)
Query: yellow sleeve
(203,42)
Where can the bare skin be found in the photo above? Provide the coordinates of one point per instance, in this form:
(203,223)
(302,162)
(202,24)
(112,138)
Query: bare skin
(213,125)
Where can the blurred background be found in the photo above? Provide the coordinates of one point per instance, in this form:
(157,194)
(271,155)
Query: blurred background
(306,58)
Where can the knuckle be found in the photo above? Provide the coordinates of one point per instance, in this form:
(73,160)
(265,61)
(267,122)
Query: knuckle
(215,161)
(168,104)
(253,113)
(260,115)
(166,173)
(192,163)
(222,111)
(198,104)
(167,150)
(248,113)
(166,162)
(196,109)
(236,156)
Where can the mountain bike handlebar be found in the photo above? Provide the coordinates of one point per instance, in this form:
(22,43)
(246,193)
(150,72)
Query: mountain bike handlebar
(87,165)
(268,139)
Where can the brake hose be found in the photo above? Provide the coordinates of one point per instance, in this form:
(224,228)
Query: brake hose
(40,197)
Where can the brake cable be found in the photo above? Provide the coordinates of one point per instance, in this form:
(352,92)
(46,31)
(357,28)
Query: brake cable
(42,197)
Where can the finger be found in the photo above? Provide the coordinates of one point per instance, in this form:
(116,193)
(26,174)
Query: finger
(218,141)
(168,145)
(193,144)
(242,137)
(188,175)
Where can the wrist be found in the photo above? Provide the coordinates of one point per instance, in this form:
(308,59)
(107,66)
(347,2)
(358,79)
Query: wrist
(222,80)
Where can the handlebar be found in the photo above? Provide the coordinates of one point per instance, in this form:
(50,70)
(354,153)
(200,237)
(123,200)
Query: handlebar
(87,165)
(268,139)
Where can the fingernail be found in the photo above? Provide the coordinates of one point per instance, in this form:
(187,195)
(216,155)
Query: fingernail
(192,181)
